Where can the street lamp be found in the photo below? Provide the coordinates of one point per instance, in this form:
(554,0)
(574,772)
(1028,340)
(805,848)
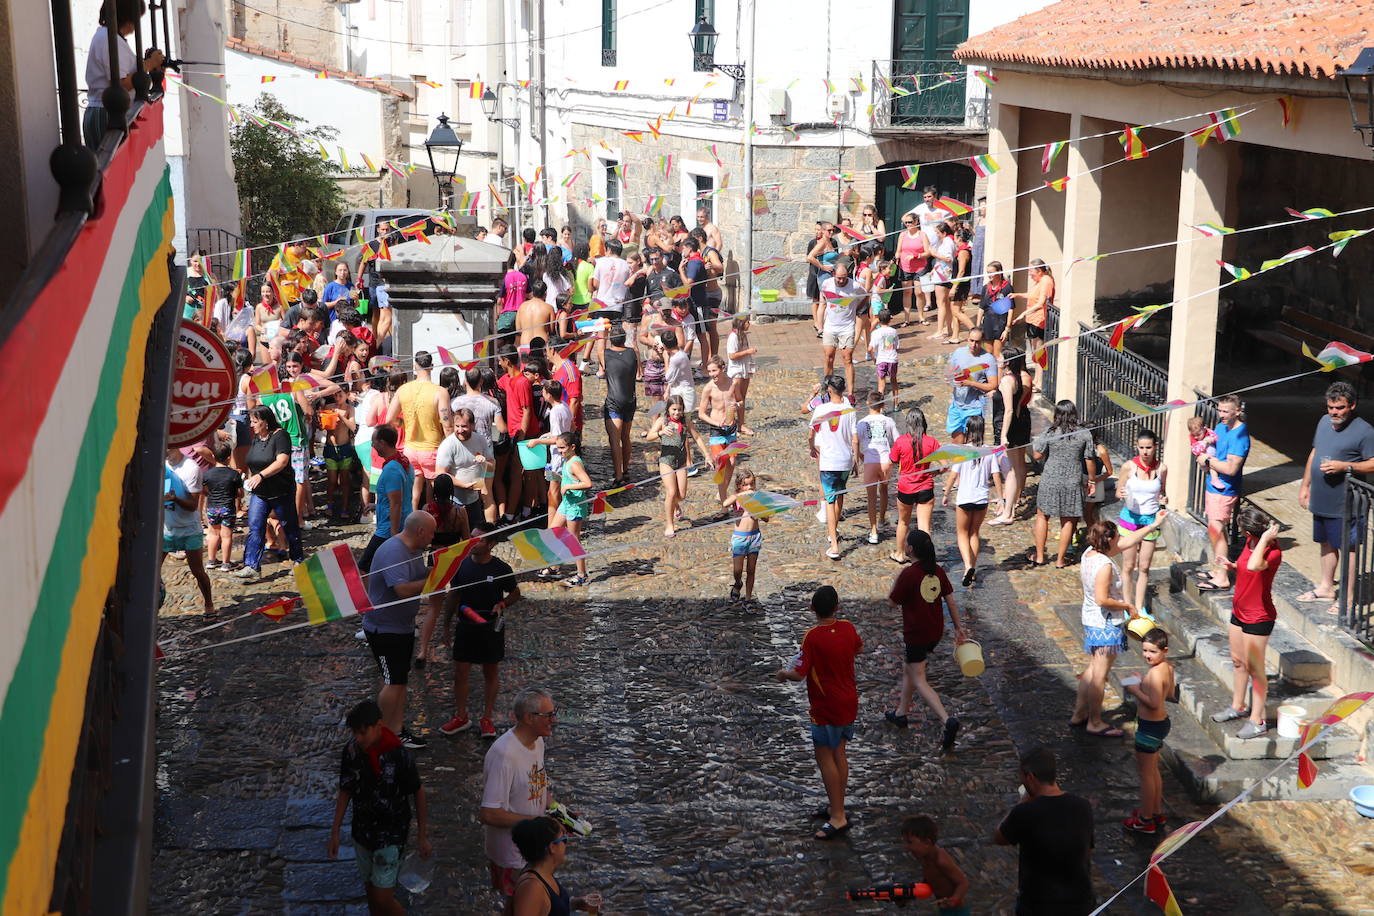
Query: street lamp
(1359,92)
(491,107)
(443,147)
(703,37)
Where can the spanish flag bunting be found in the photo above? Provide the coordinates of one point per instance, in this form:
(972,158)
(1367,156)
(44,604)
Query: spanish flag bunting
(322,75)
(1336,712)
(277,609)
(1058,184)
(984,165)
(1238,273)
(266,381)
(578,152)
(621,85)
(1134,146)
(909,173)
(672,113)
(332,256)
(573,348)
(599,504)
(432,84)
(475,89)
(769,264)
(523,84)
(1050,153)
(677,292)
(480,350)
(1157,891)
(1118,335)
(987,76)
(1041,357)
(267,79)
(496,200)
(1313,213)
(954,206)
(635,135)
(446,564)
(669,82)
(655,127)
(383,251)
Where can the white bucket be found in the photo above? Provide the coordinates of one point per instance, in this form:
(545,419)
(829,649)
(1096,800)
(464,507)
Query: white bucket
(1290,721)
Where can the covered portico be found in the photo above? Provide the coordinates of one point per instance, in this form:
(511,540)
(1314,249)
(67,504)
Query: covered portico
(1081,73)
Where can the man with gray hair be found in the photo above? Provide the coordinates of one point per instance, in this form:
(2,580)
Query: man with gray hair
(394,585)
(516,785)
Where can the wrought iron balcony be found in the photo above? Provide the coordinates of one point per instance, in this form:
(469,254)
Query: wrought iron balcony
(924,94)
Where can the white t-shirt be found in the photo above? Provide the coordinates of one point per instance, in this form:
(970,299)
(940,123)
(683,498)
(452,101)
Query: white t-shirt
(515,781)
(560,421)
(930,216)
(1094,615)
(839,319)
(975,477)
(175,519)
(98,65)
(610,275)
(463,462)
(678,372)
(557,286)
(877,432)
(835,445)
(883,342)
(737,368)
(942,271)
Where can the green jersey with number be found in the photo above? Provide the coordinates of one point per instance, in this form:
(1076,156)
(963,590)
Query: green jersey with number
(288,414)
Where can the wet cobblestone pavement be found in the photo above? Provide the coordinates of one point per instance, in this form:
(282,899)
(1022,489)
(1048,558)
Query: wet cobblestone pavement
(693,765)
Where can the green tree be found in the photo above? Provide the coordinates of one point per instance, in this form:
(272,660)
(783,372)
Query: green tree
(286,190)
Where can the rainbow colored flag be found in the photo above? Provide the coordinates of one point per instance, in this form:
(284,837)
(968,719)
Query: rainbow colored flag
(277,609)
(665,165)
(1050,153)
(762,503)
(331,586)
(267,79)
(987,76)
(954,206)
(1237,273)
(547,546)
(909,173)
(1336,355)
(984,165)
(1313,213)
(1212,230)
(266,381)
(1343,238)
(1134,146)
(1294,255)
(446,563)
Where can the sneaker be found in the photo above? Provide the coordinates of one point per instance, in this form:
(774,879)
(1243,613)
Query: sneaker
(1160,821)
(1140,824)
(694,470)
(412,742)
(361,634)
(455,725)
(1253,730)
(1230,714)
(212,565)
(872,537)
(951,732)
(893,718)
(247,572)
(486,727)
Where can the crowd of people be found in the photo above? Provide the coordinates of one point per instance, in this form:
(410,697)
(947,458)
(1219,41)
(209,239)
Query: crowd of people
(435,454)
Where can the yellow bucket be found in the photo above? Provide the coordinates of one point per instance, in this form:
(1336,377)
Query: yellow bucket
(768,295)
(1139,626)
(969,655)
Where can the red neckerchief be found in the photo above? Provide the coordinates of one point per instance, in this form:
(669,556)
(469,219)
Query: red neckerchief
(1142,465)
(401,460)
(696,256)
(387,742)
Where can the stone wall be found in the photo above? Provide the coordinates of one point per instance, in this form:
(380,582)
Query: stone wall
(303,27)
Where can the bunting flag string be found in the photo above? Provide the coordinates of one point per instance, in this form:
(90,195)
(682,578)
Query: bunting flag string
(1134,146)
(1051,153)
(984,165)
(1058,184)
(909,175)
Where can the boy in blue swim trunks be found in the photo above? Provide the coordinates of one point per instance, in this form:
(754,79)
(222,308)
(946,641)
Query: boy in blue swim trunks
(1152,727)
(746,540)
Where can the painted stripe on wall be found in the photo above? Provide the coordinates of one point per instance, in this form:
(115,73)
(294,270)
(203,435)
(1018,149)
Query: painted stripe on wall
(45,705)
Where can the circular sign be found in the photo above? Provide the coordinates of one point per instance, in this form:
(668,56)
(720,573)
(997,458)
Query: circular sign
(203,386)
(930,588)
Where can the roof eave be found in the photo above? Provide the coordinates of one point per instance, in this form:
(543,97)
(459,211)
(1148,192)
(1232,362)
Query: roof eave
(1233,78)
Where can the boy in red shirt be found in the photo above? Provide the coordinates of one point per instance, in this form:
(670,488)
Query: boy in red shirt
(826,663)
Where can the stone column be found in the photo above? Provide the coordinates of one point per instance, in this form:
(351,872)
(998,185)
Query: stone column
(1076,290)
(1202,195)
(1003,137)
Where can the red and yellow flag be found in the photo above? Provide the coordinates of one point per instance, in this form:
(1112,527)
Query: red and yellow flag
(277,609)
(1336,712)
(264,382)
(446,563)
(1134,146)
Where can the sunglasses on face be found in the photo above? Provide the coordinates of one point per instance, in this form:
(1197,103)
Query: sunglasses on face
(562,839)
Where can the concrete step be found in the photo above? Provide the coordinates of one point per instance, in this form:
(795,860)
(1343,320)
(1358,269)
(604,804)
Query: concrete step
(1200,651)
(1297,660)
(1202,765)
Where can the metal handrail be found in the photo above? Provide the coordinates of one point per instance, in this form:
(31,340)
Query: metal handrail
(1354,596)
(1104,368)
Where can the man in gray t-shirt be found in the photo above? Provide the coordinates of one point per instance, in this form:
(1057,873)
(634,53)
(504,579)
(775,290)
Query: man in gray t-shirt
(394,587)
(1342,445)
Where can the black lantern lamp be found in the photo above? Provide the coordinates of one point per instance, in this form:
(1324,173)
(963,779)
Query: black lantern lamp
(1359,91)
(443,147)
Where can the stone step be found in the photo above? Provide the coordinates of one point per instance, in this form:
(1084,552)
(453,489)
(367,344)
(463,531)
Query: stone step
(1205,770)
(1297,660)
(1200,651)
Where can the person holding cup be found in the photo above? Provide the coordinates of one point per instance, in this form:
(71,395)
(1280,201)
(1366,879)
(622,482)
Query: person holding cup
(544,845)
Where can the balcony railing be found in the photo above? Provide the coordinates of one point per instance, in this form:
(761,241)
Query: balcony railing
(1104,368)
(923,94)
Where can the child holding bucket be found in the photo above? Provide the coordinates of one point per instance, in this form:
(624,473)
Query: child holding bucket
(1152,727)
(922,591)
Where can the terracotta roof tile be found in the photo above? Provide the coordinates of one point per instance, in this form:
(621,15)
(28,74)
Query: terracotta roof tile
(1305,38)
(295,60)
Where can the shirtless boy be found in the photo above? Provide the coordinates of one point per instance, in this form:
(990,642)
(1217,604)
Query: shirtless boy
(717,411)
(947,880)
(1152,727)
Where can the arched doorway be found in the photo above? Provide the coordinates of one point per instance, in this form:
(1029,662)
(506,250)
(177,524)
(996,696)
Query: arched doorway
(953,179)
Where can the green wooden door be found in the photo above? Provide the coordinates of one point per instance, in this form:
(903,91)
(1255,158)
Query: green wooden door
(952,179)
(924,36)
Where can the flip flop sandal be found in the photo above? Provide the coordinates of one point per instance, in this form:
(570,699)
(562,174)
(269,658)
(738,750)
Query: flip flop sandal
(1212,587)
(1105,733)
(1313,597)
(827,832)
(734,593)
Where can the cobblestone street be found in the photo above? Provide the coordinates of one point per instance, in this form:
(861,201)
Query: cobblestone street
(693,764)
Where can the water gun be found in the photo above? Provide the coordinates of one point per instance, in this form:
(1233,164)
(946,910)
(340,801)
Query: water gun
(899,893)
(570,819)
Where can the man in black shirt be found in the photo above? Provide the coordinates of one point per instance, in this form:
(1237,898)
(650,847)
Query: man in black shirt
(622,365)
(479,594)
(659,275)
(1054,831)
(378,775)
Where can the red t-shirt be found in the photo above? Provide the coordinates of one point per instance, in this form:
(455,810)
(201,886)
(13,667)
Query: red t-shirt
(1254,595)
(571,380)
(519,398)
(923,622)
(827,661)
(910,478)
